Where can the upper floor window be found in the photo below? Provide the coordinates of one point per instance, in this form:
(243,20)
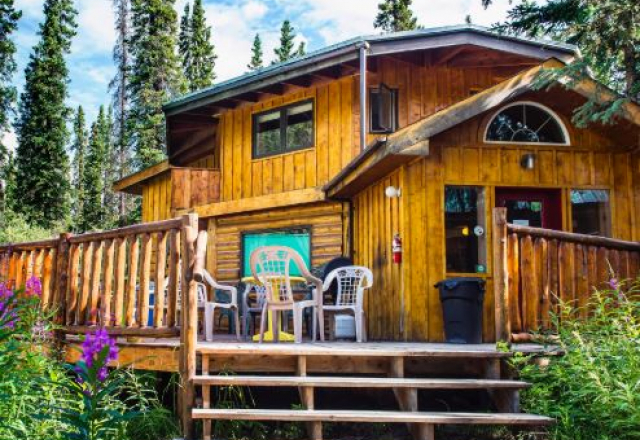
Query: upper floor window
(528,123)
(383,109)
(284,129)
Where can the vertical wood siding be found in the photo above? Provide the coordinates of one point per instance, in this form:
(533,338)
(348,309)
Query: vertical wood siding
(458,157)
(422,90)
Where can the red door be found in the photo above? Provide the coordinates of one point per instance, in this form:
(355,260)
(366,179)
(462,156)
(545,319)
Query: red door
(540,208)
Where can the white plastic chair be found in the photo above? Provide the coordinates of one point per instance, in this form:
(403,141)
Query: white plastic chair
(247,309)
(270,266)
(210,306)
(351,281)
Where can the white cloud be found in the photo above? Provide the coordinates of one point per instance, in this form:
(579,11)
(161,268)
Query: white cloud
(96,31)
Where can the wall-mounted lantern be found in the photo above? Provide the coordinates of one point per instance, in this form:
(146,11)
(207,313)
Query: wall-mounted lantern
(392,192)
(528,161)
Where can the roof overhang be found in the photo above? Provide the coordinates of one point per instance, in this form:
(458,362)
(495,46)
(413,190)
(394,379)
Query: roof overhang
(403,145)
(381,44)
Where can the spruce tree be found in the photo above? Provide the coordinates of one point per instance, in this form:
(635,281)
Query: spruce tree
(198,58)
(395,16)
(119,87)
(184,37)
(78,149)
(109,171)
(8,24)
(287,35)
(155,76)
(42,164)
(302,49)
(256,54)
(92,209)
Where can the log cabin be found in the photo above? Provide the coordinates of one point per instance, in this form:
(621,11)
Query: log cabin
(450,117)
(444,140)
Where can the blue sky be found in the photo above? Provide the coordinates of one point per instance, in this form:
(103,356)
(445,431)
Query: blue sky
(234,22)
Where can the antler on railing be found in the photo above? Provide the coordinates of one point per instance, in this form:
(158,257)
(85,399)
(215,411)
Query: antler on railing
(201,253)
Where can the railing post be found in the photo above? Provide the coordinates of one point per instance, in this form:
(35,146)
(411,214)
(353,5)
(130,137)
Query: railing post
(189,323)
(59,289)
(501,275)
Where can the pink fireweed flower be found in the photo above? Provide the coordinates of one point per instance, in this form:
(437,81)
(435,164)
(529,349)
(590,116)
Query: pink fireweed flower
(98,347)
(33,286)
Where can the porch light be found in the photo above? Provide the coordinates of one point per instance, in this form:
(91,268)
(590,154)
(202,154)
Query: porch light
(392,192)
(528,161)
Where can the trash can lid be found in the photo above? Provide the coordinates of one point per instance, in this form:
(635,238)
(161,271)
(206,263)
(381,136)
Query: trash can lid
(452,283)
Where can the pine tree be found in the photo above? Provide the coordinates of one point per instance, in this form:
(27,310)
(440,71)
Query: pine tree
(199,58)
(256,54)
(78,149)
(287,35)
(155,76)
(42,164)
(184,37)
(302,49)
(92,209)
(120,99)
(109,171)
(8,24)
(395,16)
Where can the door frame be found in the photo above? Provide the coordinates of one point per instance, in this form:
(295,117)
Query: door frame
(548,196)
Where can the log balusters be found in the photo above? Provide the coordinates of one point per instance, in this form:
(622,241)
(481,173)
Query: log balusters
(535,269)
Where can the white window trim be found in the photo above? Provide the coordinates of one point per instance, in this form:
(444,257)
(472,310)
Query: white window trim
(553,114)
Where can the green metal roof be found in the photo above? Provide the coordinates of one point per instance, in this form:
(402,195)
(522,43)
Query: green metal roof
(350,45)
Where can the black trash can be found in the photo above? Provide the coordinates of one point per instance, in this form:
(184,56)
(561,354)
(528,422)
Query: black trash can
(462,300)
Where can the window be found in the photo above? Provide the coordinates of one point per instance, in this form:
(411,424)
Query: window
(465,229)
(526,122)
(282,130)
(383,110)
(590,212)
(297,239)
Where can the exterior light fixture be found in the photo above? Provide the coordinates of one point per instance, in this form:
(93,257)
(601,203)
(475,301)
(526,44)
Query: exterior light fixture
(528,161)
(392,192)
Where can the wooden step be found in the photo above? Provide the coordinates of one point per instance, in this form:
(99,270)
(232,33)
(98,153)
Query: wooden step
(365,349)
(434,418)
(358,382)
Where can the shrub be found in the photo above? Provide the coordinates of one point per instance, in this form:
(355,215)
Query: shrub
(593,389)
(14,228)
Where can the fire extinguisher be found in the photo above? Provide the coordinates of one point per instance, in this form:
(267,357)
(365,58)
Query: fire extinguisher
(396,248)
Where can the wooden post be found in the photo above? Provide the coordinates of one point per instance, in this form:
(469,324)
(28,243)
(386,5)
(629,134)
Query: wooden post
(59,286)
(501,274)
(189,324)
(307,396)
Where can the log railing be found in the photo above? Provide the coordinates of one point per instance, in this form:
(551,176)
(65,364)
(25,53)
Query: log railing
(20,261)
(535,269)
(126,280)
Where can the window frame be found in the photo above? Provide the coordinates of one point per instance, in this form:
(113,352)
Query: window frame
(542,107)
(287,230)
(395,116)
(483,213)
(609,224)
(283,129)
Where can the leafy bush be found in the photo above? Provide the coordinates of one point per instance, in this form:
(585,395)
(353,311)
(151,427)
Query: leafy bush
(43,399)
(14,228)
(593,389)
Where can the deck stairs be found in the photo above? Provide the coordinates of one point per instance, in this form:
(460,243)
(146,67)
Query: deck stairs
(332,371)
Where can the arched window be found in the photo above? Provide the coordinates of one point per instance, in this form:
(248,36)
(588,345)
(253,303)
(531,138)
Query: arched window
(526,122)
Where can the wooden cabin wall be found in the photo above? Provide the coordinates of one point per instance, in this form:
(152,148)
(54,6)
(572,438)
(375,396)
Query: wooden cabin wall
(458,157)
(326,221)
(422,90)
(156,198)
(244,177)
